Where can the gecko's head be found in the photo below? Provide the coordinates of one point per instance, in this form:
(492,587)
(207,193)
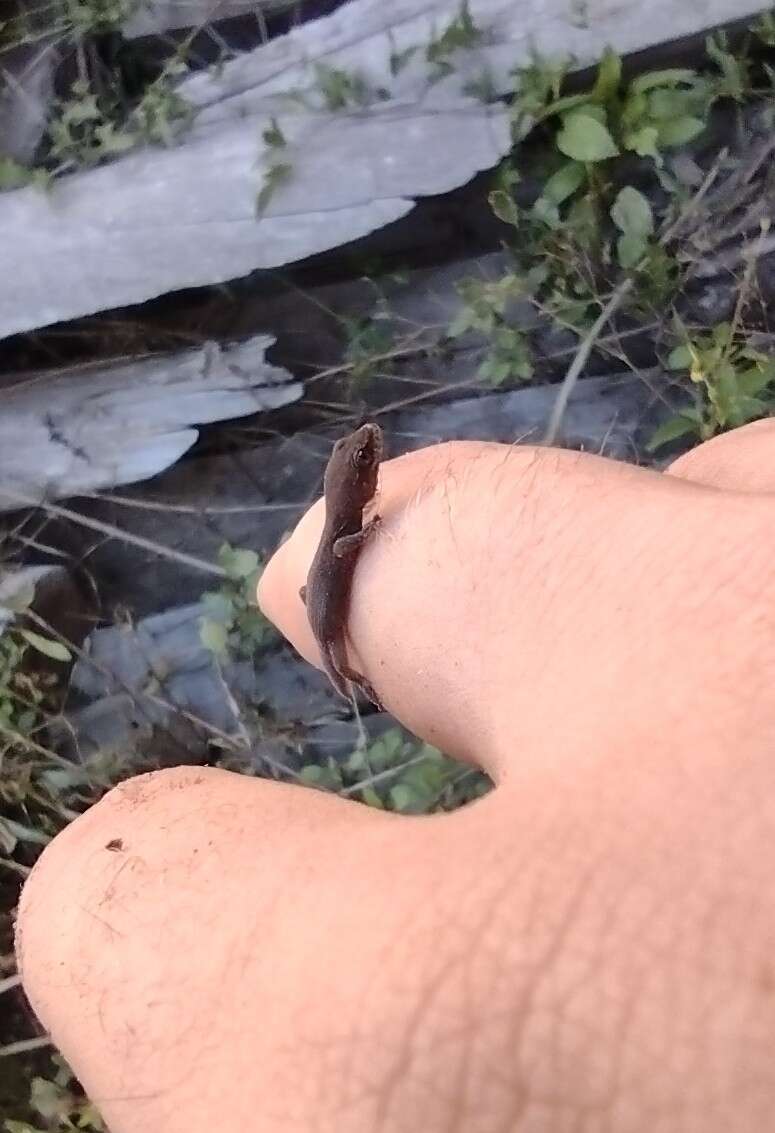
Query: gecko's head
(355,462)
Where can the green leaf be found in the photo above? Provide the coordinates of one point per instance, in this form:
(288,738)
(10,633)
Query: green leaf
(667,103)
(371,798)
(643,141)
(388,750)
(273,135)
(214,636)
(113,141)
(238,563)
(218,607)
(564,182)
(764,29)
(89,1117)
(399,59)
(462,323)
(671,430)
(253,628)
(749,409)
(569,102)
(504,206)
(631,213)
(609,75)
(356,761)
(596,111)
(669,77)
(735,70)
(585,139)
(54,650)
(680,131)
(752,382)
(50,1100)
(403,797)
(276,175)
(12,174)
(630,250)
(327,778)
(494,371)
(680,357)
(547,212)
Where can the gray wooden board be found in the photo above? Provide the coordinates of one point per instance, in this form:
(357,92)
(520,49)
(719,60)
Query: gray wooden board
(153,687)
(159,220)
(76,430)
(162,219)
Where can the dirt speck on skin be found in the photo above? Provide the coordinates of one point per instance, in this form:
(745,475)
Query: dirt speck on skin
(141,790)
(115,844)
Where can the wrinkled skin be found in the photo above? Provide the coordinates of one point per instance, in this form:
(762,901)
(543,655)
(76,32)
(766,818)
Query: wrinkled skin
(590,948)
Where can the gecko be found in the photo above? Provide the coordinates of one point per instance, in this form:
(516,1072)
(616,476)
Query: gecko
(349,484)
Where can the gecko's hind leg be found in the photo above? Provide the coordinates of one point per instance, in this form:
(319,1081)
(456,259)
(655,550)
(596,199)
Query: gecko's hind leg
(359,680)
(339,670)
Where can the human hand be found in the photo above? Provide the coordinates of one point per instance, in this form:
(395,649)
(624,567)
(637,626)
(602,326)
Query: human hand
(588,947)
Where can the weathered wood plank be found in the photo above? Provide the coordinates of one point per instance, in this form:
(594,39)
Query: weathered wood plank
(72,431)
(159,220)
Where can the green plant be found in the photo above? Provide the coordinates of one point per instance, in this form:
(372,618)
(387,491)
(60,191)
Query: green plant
(96,17)
(395,773)
(13,175)
(60,1102)
(161,113)
(460,33)
(277,173)
(400,59)
(589,223)
(632,215)
(23,689)
(368,341)
(86,128)
(279,170)
(653,112)
(730,378)
(231,622)
(735,78)
(342,89)
(487,307)
(83,129)
(764,29)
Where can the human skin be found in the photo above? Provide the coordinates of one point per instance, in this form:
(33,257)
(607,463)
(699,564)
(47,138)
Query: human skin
(589,948)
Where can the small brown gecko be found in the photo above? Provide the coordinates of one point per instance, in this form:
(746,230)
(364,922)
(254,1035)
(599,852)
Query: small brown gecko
(349,484)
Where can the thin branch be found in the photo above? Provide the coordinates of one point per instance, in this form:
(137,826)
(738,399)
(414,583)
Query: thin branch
(191,509)
(26,742)
(612,306)
(25,1045)
(382,775)
(9,983)
(582,355)
(16,867)
(116,533)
